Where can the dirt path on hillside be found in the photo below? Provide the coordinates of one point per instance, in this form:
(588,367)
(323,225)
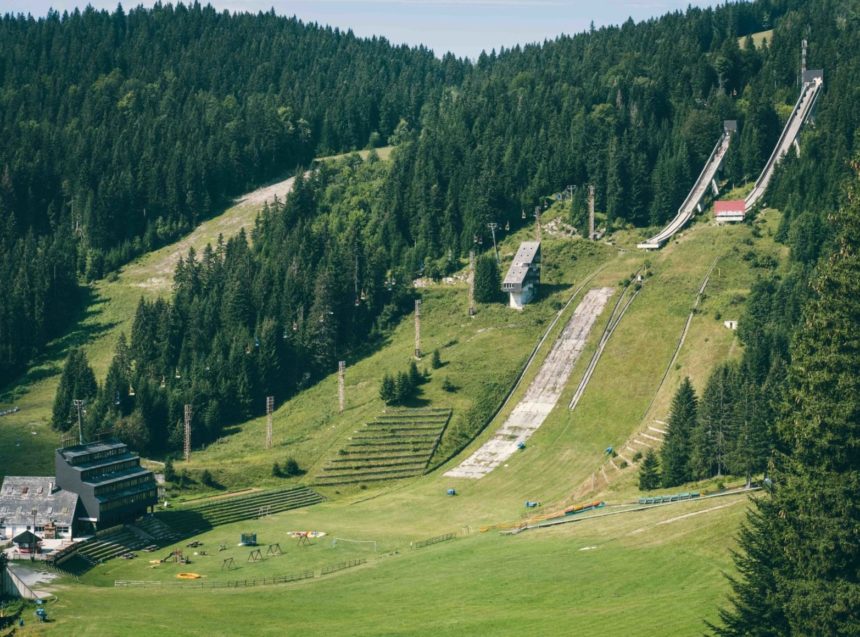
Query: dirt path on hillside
(156,273)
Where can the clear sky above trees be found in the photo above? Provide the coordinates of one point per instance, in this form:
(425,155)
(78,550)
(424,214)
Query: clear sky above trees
(464,27)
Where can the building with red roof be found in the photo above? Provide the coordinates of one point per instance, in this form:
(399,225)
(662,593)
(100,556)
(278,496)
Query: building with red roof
(730,210)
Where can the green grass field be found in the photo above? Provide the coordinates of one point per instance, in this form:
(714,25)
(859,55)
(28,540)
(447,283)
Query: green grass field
(655,572)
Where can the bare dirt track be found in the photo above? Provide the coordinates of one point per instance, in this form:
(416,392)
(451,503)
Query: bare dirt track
(543,393)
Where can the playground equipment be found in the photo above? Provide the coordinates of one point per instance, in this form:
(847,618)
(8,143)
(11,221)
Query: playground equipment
(255,556)
(248,539)
(582,508)
(371,544)
(274,549)
(229,564)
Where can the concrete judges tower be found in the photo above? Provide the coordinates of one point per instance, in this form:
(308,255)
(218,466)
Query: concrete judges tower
(523,278)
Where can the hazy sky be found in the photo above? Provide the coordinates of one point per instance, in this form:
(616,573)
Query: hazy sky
(465,27)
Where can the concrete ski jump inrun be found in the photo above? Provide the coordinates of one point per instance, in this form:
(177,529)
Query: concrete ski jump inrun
(542,394)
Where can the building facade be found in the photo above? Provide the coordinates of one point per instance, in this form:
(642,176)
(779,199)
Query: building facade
(36,504)
(109,480)
(728,211)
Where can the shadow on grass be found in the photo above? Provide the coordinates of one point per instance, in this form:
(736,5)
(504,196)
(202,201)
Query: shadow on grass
(85,328)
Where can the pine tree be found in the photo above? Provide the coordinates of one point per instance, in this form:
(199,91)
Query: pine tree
(807,534)
(675,453)
(387,389)
(77,383)
(487,280)
(714,437)
(649,472)
(169,471)
(752,444)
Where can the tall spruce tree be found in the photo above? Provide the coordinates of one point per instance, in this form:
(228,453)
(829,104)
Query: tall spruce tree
(800,549)
(675,453)
(749,453)
(649,472)
(714,436)
(487,280)
(77,383)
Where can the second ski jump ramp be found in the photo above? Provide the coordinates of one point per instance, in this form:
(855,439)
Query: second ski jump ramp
(812,83)
(697,193)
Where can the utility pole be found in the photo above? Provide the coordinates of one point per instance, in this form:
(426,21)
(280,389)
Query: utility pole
(187,433)
(79,405)
(492,227)
(418,328)
(537,223)
(341,385)
(270,406)
(591,212)
(471,283)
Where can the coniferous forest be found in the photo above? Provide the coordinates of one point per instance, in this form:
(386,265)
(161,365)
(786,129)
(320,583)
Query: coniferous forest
(119,131)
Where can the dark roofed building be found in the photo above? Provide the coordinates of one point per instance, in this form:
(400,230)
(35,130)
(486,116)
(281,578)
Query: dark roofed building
(109,480)
(29,503)
(523,277)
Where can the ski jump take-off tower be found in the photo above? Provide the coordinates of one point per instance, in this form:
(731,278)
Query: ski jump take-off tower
(811,83)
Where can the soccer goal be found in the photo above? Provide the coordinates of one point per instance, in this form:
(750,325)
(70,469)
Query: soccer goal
(363,544)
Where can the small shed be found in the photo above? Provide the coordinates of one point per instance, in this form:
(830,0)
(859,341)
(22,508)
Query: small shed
(27,542)
(729,211)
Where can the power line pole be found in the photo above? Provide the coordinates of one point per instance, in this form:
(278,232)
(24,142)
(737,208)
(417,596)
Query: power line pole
(591,212)
(270,406)
(471,283)
(187,433)
(418,328)
(341,385)
(492,227)
(79,405)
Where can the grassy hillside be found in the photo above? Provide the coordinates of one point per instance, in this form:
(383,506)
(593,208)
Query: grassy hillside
(654,572)
(657,572)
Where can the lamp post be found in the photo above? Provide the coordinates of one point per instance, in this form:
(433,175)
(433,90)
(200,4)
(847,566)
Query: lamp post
(79,405)
(35,539)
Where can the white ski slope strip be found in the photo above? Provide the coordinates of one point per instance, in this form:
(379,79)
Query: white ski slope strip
(542,394)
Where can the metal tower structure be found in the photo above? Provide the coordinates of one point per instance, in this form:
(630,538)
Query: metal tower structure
(187,432)
(591,211)
(471,283)
(270,407)
(417,328)
(341,385)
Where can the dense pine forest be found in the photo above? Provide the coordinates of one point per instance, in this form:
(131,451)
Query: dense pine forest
(119,134)
(119,131)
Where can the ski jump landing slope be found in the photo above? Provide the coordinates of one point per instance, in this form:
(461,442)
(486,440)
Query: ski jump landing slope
(542,394)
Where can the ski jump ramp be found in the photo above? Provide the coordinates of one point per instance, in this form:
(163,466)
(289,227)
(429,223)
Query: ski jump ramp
(693,201)
(543,392)
(812,83)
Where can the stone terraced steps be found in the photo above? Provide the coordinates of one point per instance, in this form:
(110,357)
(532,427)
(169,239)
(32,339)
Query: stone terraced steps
(398,444)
